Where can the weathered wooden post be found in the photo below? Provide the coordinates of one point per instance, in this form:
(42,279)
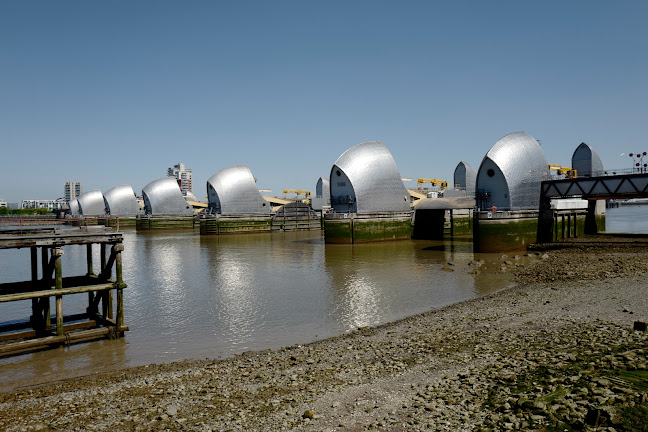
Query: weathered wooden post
(89,259)
(90,310)
(106,300)
(119,323)
(57,253)
(36,318)
(102,248)
(47,277)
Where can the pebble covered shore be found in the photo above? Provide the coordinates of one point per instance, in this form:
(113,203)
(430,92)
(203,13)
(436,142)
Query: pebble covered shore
(563,348)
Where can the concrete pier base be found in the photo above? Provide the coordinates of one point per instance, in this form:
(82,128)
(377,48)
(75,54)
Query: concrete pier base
(235,224)
(165,223)
(349,228)
(504,231)
(113,221)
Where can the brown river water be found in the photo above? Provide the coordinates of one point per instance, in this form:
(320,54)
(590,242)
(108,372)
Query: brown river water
(193,297)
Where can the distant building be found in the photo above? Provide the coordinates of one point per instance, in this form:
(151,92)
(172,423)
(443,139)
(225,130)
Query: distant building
(72,190)
(3,203)
(183,176)
(50,205)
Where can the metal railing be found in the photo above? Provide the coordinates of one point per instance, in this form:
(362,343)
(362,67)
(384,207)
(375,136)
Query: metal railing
(506,214)
(372,215)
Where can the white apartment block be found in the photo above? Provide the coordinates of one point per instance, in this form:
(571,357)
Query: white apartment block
(50,205)
(184,177)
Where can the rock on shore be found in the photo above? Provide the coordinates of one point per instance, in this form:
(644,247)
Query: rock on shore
(558,350)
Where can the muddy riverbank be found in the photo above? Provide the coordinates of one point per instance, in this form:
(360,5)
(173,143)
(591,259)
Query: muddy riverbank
(557,349)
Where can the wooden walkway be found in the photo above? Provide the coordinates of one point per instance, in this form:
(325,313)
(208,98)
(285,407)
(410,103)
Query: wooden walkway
(99,320)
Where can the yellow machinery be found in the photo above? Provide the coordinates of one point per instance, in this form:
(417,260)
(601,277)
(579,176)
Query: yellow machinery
(434,182)
(561,170)
(306,194)
(298,192)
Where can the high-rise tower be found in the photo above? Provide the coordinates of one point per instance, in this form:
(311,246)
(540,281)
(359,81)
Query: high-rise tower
(71,191)
(183,176)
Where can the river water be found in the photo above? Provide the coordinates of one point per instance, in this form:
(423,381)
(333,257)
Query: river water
(192,296)
(629,219)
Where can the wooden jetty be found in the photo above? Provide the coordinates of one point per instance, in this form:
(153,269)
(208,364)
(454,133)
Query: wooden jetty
(99,319)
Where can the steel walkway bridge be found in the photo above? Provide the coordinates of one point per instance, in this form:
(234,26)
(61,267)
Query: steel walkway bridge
(615,186)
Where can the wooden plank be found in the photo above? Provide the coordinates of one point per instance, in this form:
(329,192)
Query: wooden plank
(55,292)
(29,345)
(17,335)
(68,282)
(58,240)
(32,333)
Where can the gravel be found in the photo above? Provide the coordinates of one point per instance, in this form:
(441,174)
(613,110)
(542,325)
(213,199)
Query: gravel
(557,350)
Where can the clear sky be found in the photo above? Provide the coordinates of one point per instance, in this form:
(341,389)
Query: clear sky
(114,92)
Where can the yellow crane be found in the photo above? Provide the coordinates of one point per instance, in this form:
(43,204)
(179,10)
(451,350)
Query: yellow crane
(434,182)
(561,170)
(298,192)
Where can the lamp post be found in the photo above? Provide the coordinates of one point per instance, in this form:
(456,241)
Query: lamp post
(638,161)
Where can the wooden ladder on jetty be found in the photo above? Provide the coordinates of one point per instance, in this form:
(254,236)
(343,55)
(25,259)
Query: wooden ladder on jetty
(96,322)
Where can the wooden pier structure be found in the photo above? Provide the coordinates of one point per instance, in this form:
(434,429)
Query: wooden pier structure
(99,320)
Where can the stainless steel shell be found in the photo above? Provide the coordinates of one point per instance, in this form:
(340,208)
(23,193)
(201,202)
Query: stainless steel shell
(91,203)
(74,207)
(586,161)
(510,174)
(322,196)
(323,188)
(233,190)
(466,177)
(365,179)
(121,201)
(163,197)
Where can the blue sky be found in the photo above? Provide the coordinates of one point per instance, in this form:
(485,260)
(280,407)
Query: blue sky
(115,92)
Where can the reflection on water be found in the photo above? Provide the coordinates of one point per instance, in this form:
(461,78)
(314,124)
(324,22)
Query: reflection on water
(192,296)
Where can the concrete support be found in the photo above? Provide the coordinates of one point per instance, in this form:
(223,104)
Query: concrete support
(545,221)
(590,218)
(368,228)
(429,224)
